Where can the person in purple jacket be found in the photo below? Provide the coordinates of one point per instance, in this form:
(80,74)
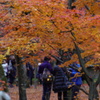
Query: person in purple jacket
(46,86)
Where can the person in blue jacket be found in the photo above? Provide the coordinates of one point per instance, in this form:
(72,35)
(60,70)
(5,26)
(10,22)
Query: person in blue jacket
(76,79)
(46,87)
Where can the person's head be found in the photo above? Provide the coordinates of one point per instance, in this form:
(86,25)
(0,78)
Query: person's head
(46,58)
(12,57)
(58,62)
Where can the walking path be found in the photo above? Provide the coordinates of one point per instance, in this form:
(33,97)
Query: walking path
(36,94)
(32,93)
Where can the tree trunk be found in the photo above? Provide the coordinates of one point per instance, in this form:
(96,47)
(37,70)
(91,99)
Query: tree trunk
(96,95)
(21,79)
(93,93)
(70,4)
(35,79)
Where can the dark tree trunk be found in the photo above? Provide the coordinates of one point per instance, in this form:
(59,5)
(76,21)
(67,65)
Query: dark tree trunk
(21,79)
(96,95)
(35,79)
(93,93)
(70,4)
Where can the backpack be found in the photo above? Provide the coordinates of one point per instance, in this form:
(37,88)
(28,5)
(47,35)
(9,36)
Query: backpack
(47,77)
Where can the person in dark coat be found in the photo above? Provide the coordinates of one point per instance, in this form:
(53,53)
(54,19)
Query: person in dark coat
(60,85)
(11,72)
(30,72)
(46,86)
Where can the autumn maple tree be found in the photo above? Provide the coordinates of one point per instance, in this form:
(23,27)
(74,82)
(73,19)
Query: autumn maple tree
(37,27)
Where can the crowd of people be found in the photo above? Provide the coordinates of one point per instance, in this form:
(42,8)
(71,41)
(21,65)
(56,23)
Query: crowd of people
(9,69)
(63,79)
(61,83)
(10,72)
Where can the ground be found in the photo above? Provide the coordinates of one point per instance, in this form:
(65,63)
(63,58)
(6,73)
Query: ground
(36,94)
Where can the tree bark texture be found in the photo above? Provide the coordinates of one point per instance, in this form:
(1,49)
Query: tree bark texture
(35,79)
(93,93)
(21,79)
(70,4)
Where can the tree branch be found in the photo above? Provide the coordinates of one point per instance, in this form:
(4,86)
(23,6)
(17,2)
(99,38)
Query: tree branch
(83,65)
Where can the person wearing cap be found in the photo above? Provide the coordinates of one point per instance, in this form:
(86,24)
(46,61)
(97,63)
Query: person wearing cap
(76,79)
